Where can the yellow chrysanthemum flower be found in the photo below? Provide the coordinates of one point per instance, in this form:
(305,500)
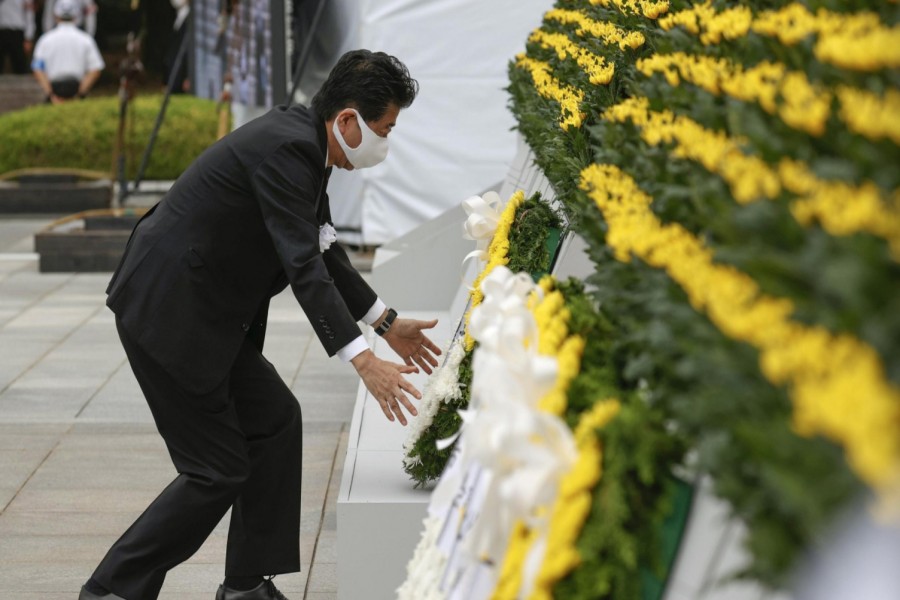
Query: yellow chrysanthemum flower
(568,98)
(840,208)
(856,41)
(598,70)
(788,94)
(605,32)
(825,374)
(648,8)
(711,26)
(573,504)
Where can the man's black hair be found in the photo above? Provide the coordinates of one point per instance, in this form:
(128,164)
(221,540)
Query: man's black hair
(367,81)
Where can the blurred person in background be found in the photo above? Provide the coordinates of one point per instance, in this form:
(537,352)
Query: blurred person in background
(85,16)
(16,34)
(66,62)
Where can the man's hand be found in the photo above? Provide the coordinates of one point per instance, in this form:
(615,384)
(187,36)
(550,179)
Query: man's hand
(405,337)
(385,382)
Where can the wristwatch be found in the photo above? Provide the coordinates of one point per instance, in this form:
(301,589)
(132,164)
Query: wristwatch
(386,323)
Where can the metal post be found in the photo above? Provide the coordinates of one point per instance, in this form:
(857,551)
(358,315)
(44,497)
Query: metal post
(304,53)
(179,58)
(129,69)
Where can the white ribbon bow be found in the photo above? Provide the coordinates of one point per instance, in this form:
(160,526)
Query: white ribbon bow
(327,236)
(522,449)
(507,361)
(502,318)
(525,451)
(484,213)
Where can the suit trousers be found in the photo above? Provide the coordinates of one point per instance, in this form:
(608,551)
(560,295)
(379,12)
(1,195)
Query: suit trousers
(238,447)
(11,44)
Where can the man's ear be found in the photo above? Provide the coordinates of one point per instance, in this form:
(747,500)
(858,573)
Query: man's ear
(343,118)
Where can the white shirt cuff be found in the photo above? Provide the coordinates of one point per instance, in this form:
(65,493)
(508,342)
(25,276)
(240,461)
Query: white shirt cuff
(375,312)
(351,350)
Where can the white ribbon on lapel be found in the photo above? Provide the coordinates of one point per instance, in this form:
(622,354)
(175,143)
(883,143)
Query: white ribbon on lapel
(327,236)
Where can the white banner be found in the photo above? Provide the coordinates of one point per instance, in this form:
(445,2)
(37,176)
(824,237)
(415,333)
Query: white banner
(456,139)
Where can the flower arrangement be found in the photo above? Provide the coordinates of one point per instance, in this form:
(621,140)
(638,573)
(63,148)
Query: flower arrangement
(512,449)
(551,320)
(734,173)
(607,524)
(427,565)
(732,167)
(602,531)
(444,388)
(497,254)
(518,240)
(582,531)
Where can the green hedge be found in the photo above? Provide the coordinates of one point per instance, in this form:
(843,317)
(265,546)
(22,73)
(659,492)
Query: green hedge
(83,135)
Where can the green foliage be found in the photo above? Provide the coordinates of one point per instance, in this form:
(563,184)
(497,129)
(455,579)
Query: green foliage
(622,534)
(528,251)
(83,135)
(629,505)
(598,378)
(429,462)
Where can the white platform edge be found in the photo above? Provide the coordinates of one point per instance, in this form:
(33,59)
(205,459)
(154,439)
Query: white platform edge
(379,512)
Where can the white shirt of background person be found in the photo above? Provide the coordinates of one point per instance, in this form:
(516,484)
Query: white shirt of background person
(66,52)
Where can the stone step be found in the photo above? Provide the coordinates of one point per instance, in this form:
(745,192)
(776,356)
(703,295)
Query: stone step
(19,91)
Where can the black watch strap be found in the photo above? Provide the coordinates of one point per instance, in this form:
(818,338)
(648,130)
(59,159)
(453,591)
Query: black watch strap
(386,323)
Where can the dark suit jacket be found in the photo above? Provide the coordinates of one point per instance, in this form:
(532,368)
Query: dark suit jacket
(240,224)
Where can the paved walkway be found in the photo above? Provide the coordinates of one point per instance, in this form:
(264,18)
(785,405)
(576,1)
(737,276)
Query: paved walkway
(80,456)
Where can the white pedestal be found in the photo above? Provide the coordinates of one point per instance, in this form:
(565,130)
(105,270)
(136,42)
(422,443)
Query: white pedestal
(711,551)
(379,513)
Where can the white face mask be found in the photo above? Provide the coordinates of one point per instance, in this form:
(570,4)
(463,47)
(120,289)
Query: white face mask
(371,150)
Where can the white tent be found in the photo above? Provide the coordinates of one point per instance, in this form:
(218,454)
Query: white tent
(456,139)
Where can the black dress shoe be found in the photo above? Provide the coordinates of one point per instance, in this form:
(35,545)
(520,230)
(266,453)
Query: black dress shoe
(86,595)
(264,591)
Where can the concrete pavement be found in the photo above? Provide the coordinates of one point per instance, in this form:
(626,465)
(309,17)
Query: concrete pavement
(79,454)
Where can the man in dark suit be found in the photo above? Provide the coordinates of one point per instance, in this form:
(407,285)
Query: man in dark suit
(246,219)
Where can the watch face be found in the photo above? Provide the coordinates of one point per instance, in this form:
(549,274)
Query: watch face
(385,325)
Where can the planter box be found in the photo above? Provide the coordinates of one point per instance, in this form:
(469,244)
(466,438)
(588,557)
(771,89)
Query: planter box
(56,191)
(80,251)
(85,242)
